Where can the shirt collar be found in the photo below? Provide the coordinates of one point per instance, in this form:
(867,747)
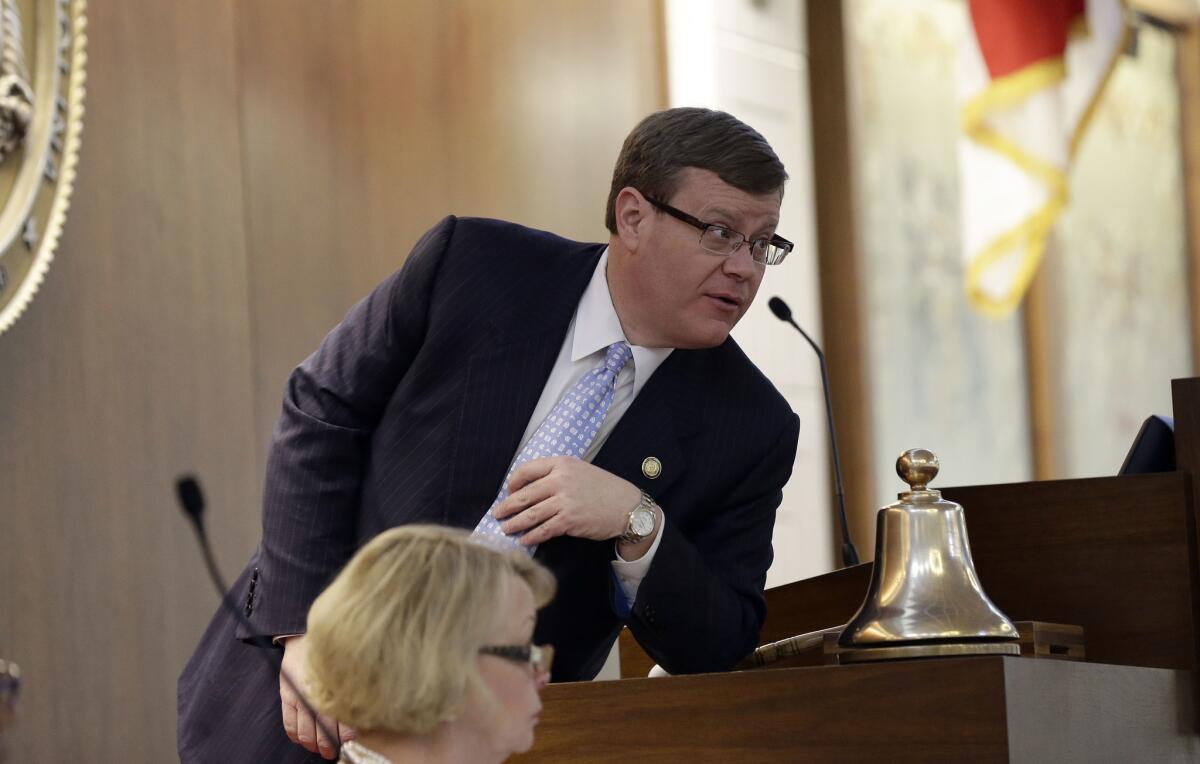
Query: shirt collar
(597,326)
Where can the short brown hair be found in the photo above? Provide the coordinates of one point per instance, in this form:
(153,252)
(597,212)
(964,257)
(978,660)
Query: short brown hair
(667,141)
(392,643)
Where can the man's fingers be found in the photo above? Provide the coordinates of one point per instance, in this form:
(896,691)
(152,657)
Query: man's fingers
(298,721)
(534,469)
(288,707)
(547,530)
(306,729)
(302,729)
(325,746)
(530,518)
(523,497)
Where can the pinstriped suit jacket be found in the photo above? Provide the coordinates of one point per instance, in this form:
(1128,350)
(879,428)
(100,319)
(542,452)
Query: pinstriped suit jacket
(411,410)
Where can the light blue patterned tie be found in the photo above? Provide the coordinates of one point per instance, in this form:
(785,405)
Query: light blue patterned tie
(568,430)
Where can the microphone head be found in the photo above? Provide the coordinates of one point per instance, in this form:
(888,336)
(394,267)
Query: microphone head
(187,488)
(780,309)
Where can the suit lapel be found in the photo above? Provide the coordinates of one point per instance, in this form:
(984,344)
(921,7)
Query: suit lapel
(664,413)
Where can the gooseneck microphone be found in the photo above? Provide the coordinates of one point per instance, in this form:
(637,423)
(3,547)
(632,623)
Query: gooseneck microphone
(849,552)
(191,498)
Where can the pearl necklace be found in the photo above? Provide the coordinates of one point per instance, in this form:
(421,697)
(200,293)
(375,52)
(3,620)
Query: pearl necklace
(356,753)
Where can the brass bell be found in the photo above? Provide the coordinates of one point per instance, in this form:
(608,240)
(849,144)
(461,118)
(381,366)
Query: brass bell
(925,598)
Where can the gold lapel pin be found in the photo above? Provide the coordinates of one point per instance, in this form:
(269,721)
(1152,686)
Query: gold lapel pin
(651,467)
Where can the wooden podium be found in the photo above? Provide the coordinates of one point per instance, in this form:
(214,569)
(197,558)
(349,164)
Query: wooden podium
(1116,555)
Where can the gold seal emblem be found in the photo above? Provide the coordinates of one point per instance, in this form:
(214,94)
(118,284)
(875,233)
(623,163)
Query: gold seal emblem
(42,60)
(651,467)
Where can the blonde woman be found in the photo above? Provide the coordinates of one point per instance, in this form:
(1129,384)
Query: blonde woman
(422,644)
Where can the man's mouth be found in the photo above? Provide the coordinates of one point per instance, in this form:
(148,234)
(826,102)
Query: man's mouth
(725,299)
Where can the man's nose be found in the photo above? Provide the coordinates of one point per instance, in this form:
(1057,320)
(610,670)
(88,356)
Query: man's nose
(740,263)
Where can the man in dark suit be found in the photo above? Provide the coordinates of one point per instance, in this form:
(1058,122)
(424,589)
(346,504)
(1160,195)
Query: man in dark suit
(415,407)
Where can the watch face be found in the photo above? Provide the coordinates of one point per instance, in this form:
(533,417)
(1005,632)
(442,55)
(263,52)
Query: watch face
(643,523)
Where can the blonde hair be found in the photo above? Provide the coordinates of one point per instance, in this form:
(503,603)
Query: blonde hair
(392,642)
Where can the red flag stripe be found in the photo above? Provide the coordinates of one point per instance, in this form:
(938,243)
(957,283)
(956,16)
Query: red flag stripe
(1014,34)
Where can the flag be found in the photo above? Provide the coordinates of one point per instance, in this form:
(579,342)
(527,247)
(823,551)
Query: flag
(1031,73)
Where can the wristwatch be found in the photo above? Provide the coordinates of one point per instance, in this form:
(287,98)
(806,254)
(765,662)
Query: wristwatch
(641,522)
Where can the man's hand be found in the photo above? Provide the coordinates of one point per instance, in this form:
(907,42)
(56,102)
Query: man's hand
(563,496)
(298,723)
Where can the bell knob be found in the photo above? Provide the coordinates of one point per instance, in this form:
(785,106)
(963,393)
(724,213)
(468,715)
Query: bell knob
(917,467)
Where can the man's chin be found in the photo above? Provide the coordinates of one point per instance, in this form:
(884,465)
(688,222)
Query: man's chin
(705,340)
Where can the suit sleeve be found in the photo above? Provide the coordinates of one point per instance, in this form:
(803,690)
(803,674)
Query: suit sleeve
(332,403)
(700,607)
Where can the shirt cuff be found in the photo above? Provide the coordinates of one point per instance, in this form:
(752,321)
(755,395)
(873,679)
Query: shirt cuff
(630,573)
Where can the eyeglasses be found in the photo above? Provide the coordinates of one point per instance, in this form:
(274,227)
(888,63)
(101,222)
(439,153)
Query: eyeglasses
(537,657)
(720,240)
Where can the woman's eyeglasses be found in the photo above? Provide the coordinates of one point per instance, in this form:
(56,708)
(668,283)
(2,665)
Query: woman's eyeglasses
(537,657)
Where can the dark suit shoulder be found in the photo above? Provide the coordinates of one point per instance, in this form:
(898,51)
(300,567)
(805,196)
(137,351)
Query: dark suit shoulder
(503,237)
(494,257)
(508,279)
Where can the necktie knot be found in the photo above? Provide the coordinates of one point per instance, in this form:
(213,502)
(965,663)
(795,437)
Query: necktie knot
(617,356)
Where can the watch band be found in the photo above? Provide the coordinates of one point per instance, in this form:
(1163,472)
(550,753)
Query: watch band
(645,504)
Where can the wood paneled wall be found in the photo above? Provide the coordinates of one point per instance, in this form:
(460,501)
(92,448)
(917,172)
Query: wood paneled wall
(1187,67)
(249,170)
(839,260)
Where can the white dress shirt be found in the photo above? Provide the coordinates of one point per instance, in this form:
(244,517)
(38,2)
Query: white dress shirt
(593,328)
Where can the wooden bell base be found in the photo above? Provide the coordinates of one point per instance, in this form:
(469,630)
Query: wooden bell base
(904,652)
(1036,639)
(1055,641)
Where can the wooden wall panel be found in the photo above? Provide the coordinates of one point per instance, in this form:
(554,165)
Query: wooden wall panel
(840,264)
(364,128)
(131,365)
(1188,71)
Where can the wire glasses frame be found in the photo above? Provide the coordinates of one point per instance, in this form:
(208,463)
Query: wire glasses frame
(720,240)
(537,657)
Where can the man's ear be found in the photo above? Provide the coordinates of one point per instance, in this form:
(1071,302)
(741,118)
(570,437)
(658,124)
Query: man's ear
(632,213)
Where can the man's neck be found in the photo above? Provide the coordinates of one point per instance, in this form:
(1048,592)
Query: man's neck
(622,298)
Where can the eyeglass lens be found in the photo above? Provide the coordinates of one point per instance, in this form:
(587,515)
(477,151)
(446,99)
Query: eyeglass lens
(722,241)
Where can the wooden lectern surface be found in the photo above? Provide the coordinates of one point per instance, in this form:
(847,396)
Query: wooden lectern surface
(809,714)
(962,709)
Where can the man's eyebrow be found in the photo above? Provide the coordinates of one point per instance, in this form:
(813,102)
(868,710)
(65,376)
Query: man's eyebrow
(721,212)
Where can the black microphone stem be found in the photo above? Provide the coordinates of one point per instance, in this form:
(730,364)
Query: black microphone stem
(849,552)
(210,563)
(784,313)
